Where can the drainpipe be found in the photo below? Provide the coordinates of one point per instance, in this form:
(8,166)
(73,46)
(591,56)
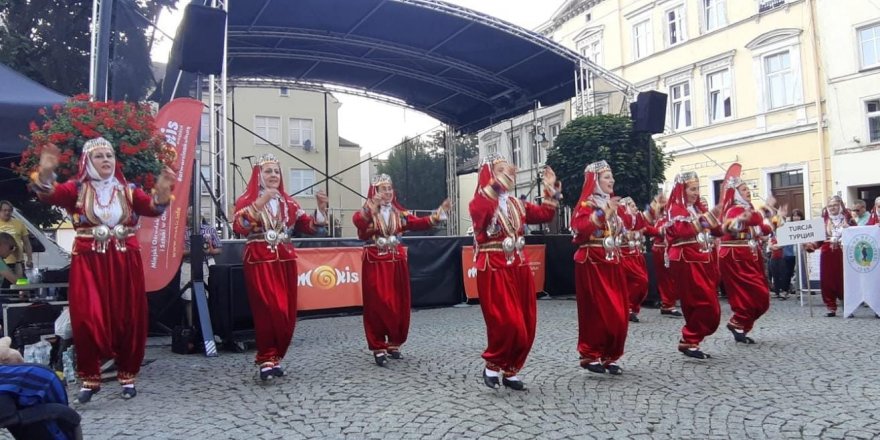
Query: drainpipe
(814,38)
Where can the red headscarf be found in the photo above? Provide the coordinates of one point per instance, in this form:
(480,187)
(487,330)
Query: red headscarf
(732,197)
(486,175)
(383,179)
(591,180)
(678,198)
(847,215)
(255,184)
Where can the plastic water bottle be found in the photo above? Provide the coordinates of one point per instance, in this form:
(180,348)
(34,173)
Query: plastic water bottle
(67,362)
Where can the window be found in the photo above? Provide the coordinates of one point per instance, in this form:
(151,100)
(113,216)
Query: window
(592,50)
(537,151)
(680,95)
(268,130)
(766,5)
(714,15)
(516,147)
(642,39)
(554,131)
(779,79)
(869,46)
(787,179)
(718,87)
(300,132)
(675,27)
(873,112)
(205,129)
(206,171)
(299,179)
(492,148)
(283,91)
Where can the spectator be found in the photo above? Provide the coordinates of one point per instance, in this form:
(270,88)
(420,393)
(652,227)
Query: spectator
(7,247)
(782,261)
(859,213)
(19,232)
(322,215)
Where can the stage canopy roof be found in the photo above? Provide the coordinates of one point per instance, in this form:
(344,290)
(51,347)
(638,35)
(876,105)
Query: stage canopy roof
(466,69)
(20,99)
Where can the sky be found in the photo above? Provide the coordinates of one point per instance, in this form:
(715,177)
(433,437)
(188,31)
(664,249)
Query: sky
(375,125)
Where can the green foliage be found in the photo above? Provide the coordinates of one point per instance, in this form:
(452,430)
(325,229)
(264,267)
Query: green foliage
(607,137)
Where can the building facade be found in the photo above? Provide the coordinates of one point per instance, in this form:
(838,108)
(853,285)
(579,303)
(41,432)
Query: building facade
(849,41)
(742,82)
(308,146)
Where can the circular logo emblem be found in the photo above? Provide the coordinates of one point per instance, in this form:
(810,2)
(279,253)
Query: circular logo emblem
(862,255)
(324,277)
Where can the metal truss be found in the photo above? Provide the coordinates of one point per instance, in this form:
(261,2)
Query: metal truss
(217,124)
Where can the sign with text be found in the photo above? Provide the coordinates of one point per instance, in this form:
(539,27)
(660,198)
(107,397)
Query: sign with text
(807,231)
(861,268)
(329,278)
(535,254)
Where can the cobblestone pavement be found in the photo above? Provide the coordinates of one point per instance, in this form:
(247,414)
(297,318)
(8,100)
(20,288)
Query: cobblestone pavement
(805,378)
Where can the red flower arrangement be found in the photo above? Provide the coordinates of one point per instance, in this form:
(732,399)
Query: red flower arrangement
(141,150)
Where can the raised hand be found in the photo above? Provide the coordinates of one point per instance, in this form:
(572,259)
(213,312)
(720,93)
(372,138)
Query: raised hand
(165,185)
(549,177)
(445,206)
(613,204)
(48,161)
(268,194)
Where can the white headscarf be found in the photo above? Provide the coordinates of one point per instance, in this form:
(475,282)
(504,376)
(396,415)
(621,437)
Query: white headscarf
(273,202)
(108,207)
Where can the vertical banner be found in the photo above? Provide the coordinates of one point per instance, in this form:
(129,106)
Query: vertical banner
(861,276)
(329,278)
(535,254)
(161,238)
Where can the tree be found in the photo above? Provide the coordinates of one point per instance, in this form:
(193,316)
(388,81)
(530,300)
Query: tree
(608,137)
(417,168)
(465,145)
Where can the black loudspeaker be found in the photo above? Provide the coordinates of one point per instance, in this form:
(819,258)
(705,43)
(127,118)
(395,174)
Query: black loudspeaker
(649,112)
(198,47)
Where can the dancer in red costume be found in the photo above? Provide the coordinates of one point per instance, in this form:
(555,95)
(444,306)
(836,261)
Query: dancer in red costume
(689,229)
(632,251)
(504,280)
(837,217)
(656,216)
(108,304)
(874,219)
(600,283)
(742,267)
(265,214)
(386,293)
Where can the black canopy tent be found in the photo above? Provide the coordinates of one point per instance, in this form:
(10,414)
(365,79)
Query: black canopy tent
(20,99)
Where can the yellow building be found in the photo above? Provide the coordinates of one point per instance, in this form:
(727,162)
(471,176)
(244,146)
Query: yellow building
(742,81)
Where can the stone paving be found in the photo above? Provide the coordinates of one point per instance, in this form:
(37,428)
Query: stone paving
(807,377)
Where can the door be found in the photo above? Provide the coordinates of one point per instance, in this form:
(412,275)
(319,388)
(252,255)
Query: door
(788,189)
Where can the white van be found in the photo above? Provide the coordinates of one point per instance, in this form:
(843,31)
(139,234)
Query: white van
(47,254)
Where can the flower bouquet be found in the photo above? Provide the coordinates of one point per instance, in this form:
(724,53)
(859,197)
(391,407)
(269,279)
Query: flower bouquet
(141,149)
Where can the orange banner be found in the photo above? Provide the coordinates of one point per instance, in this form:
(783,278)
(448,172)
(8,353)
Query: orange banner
(161,238)
(535,254)
(329,278)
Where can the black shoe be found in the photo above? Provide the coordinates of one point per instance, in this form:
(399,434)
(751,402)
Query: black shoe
(380,358)
(614,369)
(850,316)
(129,392)
(595,366)
(85,394)
(267,374)
(633,317)
(395,354)
(830,314)
(695,353)
(277,371)
(671,312)
(740,336)
(516,385)
(491,381)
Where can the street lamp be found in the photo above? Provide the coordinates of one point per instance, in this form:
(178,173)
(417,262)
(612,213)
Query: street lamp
(540,141)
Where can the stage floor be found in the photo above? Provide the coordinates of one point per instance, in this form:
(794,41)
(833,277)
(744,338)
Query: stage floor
(806,377)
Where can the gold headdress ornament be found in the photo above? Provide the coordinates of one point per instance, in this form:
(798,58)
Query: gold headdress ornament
(267,158)
(492,159)
(381,179)
(835,198)
(686,177)
(95,144)
(734,182)
(597,167)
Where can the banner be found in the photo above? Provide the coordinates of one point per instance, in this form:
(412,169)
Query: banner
(161,238)
(861,276)
(535,254)
(329,278)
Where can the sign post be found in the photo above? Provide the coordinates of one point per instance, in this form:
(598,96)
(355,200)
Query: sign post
(801,233)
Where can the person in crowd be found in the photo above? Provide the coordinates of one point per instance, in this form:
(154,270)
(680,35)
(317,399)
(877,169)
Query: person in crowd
(860,213)
(108,304)
(656,216)
(837,218)
(211,246)
(8,246)
(741,262)
(636,228)
(689,230)
(598,224)
(504,281)
(783,260)
(14,227)
(875,213)
(322,215)
(264,214)
(386,290)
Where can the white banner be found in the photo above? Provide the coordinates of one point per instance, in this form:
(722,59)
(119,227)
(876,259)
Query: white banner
(861,274)
(807,231)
